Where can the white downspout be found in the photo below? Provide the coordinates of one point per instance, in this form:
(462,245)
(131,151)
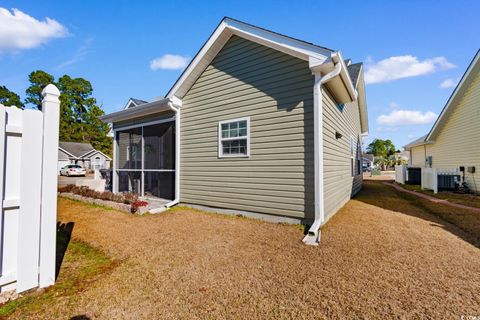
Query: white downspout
(313,235)
(177,161)
(177,157)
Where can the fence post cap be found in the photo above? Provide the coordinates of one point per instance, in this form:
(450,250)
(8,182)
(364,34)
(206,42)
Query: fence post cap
(50,90)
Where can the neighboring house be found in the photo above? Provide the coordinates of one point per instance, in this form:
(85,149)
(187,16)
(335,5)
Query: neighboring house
(368,160)
(82,154)
(454,140)
(259,123)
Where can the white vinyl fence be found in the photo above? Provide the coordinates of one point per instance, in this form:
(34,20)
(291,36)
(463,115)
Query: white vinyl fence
(28,186)
(400,174)
(430,179)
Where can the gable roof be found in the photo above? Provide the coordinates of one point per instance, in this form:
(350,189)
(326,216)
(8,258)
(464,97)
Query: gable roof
(354,72)
(94,152)
(321,60)
(228,27)
(472,70)
(76,149)
(132,102)
(415,143)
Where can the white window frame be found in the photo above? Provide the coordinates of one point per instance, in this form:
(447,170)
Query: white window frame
(220,139)
(353,172)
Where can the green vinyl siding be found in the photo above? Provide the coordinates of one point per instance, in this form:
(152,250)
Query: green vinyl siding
(275,91)
(339,185)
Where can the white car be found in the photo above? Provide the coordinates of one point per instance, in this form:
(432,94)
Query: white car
(73,170)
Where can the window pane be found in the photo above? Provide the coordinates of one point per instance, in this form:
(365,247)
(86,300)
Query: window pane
(159,146)
(235,147)
(129,181)
(242,132)
(129,153)
(160,184)
(234,129)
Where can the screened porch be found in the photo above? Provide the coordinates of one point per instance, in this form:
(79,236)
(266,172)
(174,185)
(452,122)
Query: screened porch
(145,159)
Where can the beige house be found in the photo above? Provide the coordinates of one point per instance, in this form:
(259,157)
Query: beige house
(454,140)
(259,124)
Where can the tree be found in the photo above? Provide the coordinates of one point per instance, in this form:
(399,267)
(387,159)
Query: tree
(38,80)
(381,148)
(79,114)
(9,98)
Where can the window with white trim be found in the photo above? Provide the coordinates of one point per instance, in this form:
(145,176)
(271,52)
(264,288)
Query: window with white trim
(234,138)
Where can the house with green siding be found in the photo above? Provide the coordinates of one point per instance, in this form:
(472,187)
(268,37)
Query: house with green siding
(259,124)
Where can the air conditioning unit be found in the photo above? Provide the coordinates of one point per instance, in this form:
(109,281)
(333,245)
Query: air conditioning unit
(448,181)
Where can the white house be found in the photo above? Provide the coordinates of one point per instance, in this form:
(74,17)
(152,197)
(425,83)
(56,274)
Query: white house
(82,154)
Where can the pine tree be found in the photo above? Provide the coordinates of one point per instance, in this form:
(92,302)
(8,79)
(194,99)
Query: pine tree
(9,98)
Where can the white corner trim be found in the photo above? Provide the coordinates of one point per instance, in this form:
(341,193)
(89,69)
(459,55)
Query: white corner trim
(220,139)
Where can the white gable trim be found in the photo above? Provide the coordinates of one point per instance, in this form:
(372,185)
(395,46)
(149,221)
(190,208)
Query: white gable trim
(222,34)
(452,98)
(98,151)
(129,103)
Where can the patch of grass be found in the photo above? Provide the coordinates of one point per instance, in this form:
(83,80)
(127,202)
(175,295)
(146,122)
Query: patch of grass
(81,265)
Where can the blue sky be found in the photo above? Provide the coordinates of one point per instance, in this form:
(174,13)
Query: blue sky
(414,52)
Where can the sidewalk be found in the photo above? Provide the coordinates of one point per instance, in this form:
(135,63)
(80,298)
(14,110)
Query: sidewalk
(433,199)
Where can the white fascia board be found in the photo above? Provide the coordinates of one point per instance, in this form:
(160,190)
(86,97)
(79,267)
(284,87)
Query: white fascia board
(197,59)
(139,111)
(276,41)
(454,95)
(224,31)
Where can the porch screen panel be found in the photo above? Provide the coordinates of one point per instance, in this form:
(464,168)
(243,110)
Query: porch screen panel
(159,146)
(159,184)
(129,149)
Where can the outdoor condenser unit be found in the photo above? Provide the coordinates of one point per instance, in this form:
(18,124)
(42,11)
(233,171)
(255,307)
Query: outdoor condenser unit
(448,181)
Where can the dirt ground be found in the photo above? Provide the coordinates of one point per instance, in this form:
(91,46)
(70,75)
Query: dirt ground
(398,262)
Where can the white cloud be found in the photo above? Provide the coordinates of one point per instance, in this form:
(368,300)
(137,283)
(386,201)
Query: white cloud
(387,129)
(449,83)
(169,61)
(399,67)
(20,31)
(406,117)
(411,136)
(79,55)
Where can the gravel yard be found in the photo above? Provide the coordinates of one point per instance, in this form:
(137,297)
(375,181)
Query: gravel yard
(400,261)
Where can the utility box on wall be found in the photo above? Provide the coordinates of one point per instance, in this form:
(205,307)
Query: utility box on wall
(471,169)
